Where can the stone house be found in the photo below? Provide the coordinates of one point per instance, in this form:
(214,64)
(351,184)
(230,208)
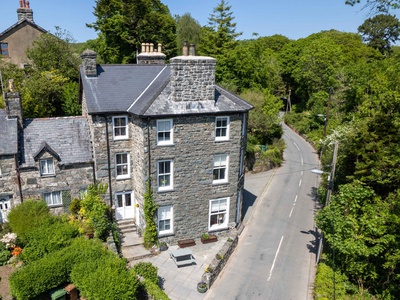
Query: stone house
(15,40)
(43,158)
(169,125)
(173,125)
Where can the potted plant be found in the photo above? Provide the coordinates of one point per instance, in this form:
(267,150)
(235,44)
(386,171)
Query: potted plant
(208,238)
(202,287)
(163,246)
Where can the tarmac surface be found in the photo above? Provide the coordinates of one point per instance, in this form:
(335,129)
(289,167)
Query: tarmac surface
(180,283)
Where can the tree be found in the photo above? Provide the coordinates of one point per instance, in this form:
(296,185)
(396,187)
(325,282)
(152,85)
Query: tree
(187,30)
(125,25)
(380,31)
(377,5)
(54,52)
(219,40)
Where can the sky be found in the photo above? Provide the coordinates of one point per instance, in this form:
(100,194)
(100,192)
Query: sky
(292,18)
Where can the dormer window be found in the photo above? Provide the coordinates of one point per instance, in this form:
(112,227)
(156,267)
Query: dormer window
(120,128)
(46,167)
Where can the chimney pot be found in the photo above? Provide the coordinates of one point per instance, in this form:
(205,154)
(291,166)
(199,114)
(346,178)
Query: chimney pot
(185,50)
(159,48)
(143,47)
(151,48)
(192,50)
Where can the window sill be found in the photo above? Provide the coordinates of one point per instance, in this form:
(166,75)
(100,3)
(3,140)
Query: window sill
(167,234)
(47,175)
(165,145)
(220,183)
(165,190)
(54,205)
(222,140)
(122,178)
(215,229)
(121,139)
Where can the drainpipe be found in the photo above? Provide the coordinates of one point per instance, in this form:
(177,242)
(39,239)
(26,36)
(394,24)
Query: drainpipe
(18,178)
(148,150)
(108,161)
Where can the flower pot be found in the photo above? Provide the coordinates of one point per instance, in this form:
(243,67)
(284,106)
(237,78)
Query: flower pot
(211,239)
(163,247)
(201,287)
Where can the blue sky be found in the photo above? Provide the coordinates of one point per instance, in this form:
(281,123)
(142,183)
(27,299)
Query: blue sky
(292,18)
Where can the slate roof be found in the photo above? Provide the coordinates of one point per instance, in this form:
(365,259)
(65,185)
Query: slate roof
(67,137)
(8,134)
(21,23)
(144,90)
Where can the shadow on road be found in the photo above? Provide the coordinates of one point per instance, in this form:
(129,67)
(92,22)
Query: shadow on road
(248,201)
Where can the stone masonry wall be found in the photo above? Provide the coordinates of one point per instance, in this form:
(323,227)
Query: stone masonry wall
(193,78)
(192,154)
(8,179)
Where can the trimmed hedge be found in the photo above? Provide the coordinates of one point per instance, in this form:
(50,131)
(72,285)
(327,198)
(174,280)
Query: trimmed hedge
(48,238)
(154,290)
(56,267)
(147,270)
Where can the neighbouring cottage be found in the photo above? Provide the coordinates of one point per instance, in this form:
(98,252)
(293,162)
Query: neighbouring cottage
(42,158)
(172,124)
(15,40)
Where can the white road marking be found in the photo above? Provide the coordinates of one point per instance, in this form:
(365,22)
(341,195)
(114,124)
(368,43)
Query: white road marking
(295,199)
(302,163)
(291,211)
(302,172)
(296,146)
(276,255)
(300,183)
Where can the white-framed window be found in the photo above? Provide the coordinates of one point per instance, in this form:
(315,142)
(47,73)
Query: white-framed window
(124,199)
(219,213)
(165,175)
(120,127)
(4,50)
(165,219)
(164,132)
(53,198)
(222,128)
(46,166)
(122,165)
(220,168)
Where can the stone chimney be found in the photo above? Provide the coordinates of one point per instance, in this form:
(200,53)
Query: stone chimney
(151,56)
(89,62)
(192,77)
(12,100)
(24,11)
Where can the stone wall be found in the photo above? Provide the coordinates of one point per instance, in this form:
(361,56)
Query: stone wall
(8,178)
(218,263)
(192,153)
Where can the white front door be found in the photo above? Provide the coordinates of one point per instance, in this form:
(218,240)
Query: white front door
(5,208)
(124,208)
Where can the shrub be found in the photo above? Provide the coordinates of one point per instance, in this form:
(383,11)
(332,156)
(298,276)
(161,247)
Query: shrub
(107,278)
(4,257)
(49,238)
(154,290)
(147,271)
(75,206)
(94,211)
(97,272)
(26,217)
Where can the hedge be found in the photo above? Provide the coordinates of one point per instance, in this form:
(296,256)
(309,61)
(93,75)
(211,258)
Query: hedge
(55,269)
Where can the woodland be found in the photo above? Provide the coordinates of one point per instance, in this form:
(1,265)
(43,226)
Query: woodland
(334,87)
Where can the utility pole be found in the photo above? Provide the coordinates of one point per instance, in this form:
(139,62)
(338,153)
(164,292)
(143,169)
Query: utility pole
(327,110)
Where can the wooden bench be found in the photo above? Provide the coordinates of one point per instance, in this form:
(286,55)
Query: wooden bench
(186,243)
(182,257)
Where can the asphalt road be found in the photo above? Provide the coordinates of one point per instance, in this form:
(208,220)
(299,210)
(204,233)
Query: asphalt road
(275,257)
